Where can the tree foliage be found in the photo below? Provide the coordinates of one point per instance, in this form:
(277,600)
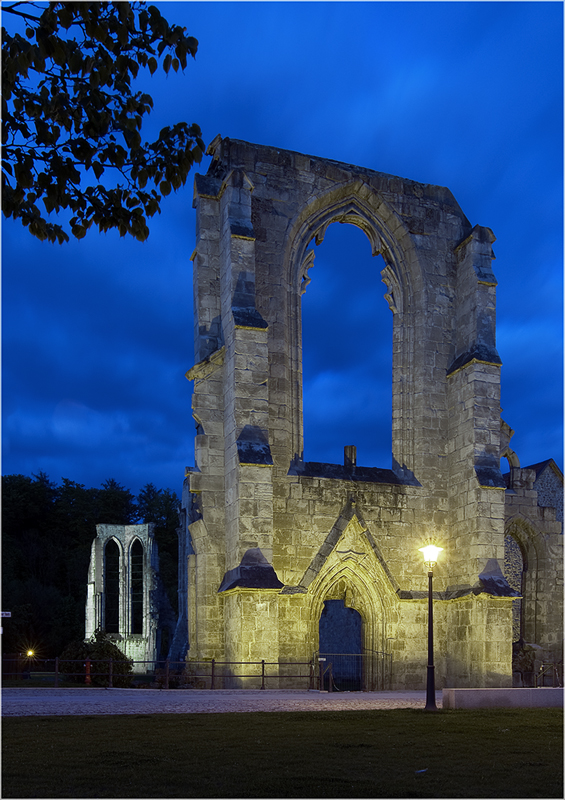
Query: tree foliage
(47,533)
(161,506)
(70,117)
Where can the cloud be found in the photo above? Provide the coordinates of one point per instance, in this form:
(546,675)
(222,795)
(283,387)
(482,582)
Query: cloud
(82,426)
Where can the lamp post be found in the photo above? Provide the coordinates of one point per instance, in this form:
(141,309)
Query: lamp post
(430,553)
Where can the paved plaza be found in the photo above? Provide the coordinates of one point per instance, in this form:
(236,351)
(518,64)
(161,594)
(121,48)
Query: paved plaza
(40,702)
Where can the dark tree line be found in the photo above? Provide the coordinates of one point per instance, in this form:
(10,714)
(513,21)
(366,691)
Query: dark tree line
(47,533)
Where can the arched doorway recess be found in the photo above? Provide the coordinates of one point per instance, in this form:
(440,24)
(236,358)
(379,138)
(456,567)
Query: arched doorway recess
(340,642)
(353,575)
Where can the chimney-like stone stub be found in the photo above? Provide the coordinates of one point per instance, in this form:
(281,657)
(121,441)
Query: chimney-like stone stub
(350,456)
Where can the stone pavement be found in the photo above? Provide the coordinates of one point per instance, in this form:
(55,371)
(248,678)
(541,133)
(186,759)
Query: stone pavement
(41,702)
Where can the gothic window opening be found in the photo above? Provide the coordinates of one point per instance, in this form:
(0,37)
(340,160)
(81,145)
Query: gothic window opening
(136,584)
(514,574)
(112,587)
(346,351)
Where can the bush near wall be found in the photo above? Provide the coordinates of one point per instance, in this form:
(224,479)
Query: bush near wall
(98,651)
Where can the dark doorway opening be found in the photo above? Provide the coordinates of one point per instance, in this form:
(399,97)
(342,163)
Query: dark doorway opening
(163,636)
(340,644)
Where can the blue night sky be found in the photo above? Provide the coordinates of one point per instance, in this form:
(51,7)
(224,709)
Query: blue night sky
(97,334)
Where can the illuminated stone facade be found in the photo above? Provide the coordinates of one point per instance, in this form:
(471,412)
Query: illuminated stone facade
(269,538)
(125,597)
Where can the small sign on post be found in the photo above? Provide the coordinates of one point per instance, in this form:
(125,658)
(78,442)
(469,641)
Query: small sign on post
(6,613)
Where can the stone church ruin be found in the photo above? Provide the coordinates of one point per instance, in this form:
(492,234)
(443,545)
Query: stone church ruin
(268,542)
(125,596)
(273,538)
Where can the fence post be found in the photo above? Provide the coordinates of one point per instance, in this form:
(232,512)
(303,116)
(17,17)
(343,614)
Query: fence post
(330,678)
(56,672)
(311,676)
(167,674)
(87,672)
(110,676)
(262,673)
(212,681)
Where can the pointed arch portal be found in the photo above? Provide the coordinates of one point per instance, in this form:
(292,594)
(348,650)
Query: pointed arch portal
(352,602)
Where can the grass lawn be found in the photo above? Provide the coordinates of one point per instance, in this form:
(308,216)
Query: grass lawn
(511,753)
(37,683)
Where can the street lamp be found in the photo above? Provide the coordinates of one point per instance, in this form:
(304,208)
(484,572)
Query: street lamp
(430,553)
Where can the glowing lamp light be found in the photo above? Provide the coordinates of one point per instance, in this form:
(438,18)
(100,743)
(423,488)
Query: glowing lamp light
(30,653)
(430,552)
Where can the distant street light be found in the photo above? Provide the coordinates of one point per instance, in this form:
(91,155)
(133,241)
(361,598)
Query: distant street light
(430,553)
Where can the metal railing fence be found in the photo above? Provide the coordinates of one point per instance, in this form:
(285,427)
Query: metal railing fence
(369,671)
(214,674)
(550,675)
(209,674)
(106,672)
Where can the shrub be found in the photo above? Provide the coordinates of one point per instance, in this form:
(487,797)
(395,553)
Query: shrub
(98,650)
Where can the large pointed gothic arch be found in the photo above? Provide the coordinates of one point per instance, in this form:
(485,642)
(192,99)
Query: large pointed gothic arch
(357,204)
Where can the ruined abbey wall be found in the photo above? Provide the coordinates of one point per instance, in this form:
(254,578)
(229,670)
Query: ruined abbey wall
(272,537)
(126,598)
